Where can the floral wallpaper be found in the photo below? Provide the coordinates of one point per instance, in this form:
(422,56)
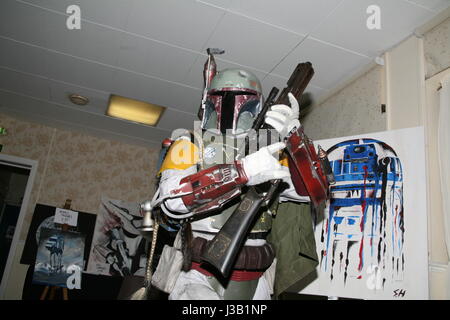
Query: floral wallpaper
(356,109)
(79,166)
(437,49)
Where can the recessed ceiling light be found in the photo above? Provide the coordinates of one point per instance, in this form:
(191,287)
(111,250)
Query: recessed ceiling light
(78,99)
(134,110)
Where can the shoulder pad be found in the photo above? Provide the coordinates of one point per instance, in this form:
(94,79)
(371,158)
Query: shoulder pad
(181,155)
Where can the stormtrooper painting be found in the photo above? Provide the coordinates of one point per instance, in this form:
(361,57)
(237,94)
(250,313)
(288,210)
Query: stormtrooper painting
(118,249)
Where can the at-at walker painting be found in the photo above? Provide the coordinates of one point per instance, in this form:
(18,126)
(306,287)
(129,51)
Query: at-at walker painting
(55,246)
(371,239)
(59,254)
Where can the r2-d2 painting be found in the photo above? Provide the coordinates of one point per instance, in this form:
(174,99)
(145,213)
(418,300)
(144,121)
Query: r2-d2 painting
(363,228)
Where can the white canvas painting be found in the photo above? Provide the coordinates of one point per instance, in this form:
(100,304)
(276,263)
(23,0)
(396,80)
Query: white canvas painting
(118,248)
(371,239)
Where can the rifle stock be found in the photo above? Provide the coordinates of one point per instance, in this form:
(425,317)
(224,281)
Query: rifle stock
(219,251)
(222,250)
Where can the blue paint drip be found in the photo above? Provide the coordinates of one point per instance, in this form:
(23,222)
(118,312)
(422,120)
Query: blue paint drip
(330,219)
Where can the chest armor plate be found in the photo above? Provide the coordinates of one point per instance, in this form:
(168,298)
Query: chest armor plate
(218,149)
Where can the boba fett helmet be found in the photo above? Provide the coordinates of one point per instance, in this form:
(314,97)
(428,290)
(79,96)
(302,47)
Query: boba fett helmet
(233,101)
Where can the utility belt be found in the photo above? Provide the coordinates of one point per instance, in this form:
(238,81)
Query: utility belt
(255,258)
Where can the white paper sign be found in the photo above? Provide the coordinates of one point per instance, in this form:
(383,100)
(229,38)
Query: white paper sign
(65,216)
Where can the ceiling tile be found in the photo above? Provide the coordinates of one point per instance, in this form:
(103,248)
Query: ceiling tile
(79,72)
(218,3)
(281,82)
(251,43)
(347,26)
(24,84)
(48,29)
(298,16)
(152,58)
(184,99)
(331,64)
(91,42)
(140,87)
(22,57)
(24,23)
(172,119)
(271,81)
(436,5)
(108,12)
(184,23)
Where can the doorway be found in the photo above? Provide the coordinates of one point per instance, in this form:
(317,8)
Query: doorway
(16,180)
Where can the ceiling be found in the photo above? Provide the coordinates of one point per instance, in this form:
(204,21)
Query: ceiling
(154,50)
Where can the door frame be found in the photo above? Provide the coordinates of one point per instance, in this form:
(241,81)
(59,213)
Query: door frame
(31,165)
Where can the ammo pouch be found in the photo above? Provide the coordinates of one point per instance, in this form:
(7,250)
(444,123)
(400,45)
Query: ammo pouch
(250,257)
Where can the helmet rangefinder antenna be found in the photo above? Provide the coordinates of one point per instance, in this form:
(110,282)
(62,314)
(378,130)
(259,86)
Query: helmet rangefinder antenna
(209,71)
(210,67)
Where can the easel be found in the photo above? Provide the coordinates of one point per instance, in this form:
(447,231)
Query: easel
(53,289)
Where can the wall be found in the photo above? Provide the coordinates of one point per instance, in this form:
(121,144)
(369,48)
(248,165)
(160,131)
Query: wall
(75,166)
(356,109)
(78,166)
(437,48)
(405,84)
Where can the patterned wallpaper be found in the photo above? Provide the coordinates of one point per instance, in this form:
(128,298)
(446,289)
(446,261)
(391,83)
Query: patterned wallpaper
(437,49)
(79,167)
(356,109)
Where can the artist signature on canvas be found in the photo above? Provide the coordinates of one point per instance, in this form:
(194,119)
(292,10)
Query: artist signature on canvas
(399,293)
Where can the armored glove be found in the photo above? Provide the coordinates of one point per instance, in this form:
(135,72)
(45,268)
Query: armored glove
(284,118)
(262,166)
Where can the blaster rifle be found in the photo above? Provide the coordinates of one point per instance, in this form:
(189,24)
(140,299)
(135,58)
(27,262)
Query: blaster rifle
(222,250)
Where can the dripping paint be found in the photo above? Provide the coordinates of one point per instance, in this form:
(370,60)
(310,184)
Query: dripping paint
(368,189)
(371,237)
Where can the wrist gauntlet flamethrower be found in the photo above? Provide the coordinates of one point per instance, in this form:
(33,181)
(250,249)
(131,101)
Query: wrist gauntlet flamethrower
(211,188)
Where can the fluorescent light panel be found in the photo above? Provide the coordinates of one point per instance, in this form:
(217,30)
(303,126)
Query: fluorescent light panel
(134,110)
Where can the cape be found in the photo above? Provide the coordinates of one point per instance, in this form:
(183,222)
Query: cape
(292,236)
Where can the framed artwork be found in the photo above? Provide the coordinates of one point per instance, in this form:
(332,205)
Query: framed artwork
(118,249)
(371,239)
(43,217)
(59,255)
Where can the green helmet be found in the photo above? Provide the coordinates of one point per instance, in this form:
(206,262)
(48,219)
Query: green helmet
(233,101)
(235,78)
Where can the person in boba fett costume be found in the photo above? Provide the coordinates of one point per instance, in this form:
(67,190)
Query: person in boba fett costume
(279,250)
